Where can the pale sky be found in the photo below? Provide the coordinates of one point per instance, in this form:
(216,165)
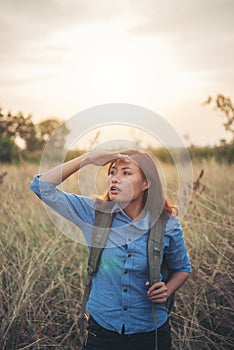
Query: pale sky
(59,57)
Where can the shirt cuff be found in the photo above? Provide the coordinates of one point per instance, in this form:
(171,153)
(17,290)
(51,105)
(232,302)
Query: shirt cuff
(40,187)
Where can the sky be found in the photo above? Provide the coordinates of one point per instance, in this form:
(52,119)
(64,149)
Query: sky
(60,57)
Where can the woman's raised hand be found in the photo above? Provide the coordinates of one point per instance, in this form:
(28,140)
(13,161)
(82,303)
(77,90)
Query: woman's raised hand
(103,157)
(63,171)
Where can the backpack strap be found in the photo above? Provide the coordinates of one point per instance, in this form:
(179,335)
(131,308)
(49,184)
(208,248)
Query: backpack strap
(155,248)
(102,225)
(155,245)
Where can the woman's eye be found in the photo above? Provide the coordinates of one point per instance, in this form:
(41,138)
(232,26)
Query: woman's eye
(127,173)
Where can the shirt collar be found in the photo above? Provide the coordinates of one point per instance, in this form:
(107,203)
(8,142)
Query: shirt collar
(140,224)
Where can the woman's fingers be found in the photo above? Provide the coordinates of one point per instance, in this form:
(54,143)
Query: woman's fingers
(118,156)
(102,158)
(158,292)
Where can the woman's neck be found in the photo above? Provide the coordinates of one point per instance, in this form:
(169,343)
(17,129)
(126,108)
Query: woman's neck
(135,211)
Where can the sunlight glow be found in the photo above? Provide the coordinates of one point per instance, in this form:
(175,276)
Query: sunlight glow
(108,67)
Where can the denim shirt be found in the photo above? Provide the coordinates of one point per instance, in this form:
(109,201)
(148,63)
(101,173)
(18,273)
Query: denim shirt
(119,295)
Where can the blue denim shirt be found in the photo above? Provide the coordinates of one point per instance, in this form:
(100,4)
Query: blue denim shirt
(119,295)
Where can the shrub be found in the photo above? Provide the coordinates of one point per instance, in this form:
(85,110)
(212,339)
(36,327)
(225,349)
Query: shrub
(8,150)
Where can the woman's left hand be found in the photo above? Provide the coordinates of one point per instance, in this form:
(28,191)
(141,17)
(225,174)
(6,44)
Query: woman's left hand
(157,292)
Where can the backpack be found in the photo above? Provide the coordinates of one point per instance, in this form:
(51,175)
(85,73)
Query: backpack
(104,220)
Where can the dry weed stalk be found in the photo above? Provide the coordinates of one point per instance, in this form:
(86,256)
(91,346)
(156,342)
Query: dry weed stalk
(2,175)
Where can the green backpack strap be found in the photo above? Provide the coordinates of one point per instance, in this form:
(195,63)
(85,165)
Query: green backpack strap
(102,225)
(155,245)
(155,248)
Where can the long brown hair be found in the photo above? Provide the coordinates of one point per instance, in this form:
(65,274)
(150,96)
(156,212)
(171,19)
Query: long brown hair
(154,200)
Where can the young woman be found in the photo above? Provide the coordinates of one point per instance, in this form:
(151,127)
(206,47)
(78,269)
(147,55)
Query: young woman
(120,302)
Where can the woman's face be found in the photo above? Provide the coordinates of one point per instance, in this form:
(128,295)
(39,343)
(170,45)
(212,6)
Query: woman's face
(126,183)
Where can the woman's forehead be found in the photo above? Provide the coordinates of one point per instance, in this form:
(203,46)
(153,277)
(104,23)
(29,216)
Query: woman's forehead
(119,163)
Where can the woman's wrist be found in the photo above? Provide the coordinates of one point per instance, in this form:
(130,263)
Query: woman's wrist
(84,160)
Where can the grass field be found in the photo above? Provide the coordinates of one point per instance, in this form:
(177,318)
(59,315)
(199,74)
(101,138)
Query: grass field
(42,271)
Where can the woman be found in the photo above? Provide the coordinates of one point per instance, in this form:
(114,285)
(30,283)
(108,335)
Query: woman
(120,302)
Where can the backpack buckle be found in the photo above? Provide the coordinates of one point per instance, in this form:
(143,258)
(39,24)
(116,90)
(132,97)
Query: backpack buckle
(90,271)
(156,251)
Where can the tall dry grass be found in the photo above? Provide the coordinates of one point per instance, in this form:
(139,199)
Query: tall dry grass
(42,271)
(204,307)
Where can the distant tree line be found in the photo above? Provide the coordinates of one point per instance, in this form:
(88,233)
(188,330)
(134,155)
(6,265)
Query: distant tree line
(20,136)
(34,136)
(223,152)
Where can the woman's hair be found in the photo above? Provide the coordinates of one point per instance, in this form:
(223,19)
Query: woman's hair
(154,200)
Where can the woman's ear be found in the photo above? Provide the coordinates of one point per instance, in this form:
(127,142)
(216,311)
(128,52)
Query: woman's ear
(147,185)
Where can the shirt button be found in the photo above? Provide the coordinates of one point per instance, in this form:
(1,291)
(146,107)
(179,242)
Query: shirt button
(129,240)
(129,255)
(125,308)
(125,290)
(126,271)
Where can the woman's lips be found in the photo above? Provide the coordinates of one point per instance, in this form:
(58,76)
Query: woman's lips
(114,190)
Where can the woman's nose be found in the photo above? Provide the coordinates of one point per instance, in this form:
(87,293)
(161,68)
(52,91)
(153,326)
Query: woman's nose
(115,179)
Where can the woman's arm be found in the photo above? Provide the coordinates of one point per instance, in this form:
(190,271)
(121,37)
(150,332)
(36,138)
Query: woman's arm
(63,171)
(75,208)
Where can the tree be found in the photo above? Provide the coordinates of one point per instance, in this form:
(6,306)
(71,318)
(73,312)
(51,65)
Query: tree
(225,150)
(13,126)
(224,105)
(7,149)
(27,132)
(46,128)
(35,136)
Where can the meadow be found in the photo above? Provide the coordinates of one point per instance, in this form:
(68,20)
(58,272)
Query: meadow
(42,271)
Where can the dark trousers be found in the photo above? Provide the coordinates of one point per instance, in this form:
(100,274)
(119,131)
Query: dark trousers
(100,338)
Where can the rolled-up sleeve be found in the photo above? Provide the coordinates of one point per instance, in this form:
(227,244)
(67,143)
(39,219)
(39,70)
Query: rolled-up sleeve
(77,209)
(175,247)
